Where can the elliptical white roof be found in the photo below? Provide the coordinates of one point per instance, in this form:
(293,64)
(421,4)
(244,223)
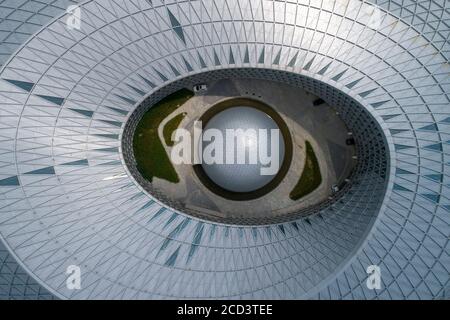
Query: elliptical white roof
(67,198)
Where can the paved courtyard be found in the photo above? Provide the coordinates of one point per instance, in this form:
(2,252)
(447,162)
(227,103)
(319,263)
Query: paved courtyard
(320,125)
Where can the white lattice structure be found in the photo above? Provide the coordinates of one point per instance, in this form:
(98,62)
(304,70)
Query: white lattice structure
(67,197)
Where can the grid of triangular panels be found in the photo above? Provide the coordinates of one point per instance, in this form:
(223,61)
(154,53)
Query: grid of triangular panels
(61,106)
(15,283)
(430,18)
(19,20)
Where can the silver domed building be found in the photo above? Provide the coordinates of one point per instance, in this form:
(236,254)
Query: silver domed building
(244,176)
(69,98)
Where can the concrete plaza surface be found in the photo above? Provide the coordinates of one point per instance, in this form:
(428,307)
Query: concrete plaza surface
(320,125)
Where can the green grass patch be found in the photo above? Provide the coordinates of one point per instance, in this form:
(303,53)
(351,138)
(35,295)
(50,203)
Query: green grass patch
(151,157)
(311,177)
(170,127)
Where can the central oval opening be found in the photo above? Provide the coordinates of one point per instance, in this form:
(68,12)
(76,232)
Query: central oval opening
(330,147)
